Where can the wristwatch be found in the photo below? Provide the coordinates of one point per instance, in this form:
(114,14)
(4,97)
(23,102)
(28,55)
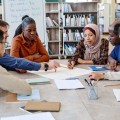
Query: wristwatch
(46,66)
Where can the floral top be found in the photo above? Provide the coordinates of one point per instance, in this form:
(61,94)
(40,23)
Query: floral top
(80,50)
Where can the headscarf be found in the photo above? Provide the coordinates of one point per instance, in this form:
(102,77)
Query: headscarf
(93,51)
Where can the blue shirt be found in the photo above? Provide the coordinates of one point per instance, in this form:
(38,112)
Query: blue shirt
(116,53)
(10,63)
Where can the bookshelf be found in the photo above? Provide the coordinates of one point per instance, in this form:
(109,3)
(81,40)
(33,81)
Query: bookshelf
(75,17)
(117,11)
(52,12)
(103,17)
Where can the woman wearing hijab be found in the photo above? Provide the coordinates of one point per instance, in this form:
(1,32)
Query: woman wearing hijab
(91,49)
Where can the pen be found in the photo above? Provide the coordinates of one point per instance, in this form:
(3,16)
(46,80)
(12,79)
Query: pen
(72,78)
(64,66)
(86,81)
(91,83)
(55,68)
(111,85)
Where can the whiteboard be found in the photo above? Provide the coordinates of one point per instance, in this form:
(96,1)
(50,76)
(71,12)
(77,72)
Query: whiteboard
(14,10)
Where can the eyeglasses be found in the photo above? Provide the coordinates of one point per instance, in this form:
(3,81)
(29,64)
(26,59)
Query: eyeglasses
(5,43)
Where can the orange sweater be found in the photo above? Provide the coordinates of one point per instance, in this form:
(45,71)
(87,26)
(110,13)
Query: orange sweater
(21,49)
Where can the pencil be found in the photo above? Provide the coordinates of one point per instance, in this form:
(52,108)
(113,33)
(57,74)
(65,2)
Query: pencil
(111,85)
(64,66)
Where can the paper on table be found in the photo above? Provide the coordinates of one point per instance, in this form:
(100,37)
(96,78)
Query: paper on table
(68,84)
(62,73)
(34,96)
(38,116)
(38,80)
(117,94)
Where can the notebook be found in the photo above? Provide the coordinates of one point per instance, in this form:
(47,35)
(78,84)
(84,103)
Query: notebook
(34,96)
(97,68)
(40,80)
(42,106)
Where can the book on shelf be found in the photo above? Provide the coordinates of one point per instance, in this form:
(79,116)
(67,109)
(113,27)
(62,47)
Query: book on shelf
(92,18)
(70,35)
(83,20)
(49,51)
(67,21)
(78,20)
(49,22)
(47,35)
(82,35)
(72,21)
(64,20)
(69,49)
(55,23)
(86,20)
(65,36)
(67,7)
(77,35)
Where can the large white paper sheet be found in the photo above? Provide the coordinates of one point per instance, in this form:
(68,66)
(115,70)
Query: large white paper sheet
(62,73)
(38,116)
(117,94)
(68,84)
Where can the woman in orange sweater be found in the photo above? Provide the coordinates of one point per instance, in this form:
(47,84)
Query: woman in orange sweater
(28,45)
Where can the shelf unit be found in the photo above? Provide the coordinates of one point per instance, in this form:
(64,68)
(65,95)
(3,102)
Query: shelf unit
(117,11)
(52,12)
(103,17)
(75,17)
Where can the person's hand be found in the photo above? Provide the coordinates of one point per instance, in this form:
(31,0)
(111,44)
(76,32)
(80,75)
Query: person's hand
(53,64)
(112,67)
(36,55)
(112,63)
(96,76)
(71,64)
(117,68)
(21,71)
(81,61)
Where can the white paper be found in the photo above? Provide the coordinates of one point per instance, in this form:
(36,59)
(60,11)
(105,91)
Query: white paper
(38,116)
(68,84)
(117,94)
(62,73)
(34,96)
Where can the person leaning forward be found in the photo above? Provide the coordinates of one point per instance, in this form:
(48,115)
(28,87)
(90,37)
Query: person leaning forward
(28,45)
(17,64)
